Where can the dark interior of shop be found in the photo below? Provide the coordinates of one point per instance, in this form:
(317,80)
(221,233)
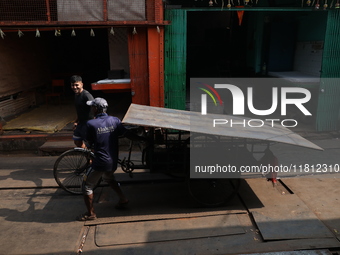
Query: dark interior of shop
(216,45)
(80,54)
(87,56)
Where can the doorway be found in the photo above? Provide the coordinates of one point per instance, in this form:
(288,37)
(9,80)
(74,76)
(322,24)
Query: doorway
(216,45)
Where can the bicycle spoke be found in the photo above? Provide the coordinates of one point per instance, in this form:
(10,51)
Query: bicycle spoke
(69,170)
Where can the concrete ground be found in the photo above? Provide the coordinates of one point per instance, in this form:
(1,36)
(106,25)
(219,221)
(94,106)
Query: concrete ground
(300,213)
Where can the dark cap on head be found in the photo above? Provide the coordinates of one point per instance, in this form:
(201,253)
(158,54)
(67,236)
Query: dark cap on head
(98,102)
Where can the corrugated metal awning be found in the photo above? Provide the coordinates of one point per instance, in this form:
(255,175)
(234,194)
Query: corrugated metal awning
(195,122)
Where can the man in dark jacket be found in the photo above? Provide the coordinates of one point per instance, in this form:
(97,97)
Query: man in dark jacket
(103,132)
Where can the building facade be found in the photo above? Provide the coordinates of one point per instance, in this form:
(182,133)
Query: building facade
(43,40)
(292,40)
(159,45)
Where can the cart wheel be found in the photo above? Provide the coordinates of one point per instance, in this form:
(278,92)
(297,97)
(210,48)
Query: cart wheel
(69,169)
(127,166)
(213,192)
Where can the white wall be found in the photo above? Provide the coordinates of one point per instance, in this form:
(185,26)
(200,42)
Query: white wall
(118,48)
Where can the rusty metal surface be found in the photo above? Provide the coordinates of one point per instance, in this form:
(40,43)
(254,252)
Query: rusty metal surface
(284,216)
(195,122)
(155,202)
(55,211)
(304,252)
(168,230)
(327,206)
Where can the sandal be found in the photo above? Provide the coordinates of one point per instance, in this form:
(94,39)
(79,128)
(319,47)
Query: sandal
(85,217)
(121,205)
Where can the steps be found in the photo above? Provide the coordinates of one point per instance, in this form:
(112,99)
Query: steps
(55,145)
(53,148)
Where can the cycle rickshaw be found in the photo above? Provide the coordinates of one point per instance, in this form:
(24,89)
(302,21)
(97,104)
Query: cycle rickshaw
(173,135)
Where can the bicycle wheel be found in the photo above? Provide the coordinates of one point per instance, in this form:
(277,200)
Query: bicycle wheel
(69,169)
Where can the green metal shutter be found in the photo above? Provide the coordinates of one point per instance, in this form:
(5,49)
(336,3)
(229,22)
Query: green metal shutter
(327,115)
(175,45)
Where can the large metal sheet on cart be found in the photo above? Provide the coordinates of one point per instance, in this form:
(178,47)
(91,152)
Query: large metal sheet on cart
(167,230)
(284,216)
(192,121)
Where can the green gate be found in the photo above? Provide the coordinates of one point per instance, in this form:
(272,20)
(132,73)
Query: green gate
(327,115)
(175,54)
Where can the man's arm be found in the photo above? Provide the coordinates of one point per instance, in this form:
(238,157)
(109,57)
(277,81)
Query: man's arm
(89,135)
(75,123)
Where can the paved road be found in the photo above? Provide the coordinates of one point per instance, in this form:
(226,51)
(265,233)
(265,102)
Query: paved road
(298,214)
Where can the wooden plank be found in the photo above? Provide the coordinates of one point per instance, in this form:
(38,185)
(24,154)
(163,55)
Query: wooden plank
(167,230)
(195,122)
